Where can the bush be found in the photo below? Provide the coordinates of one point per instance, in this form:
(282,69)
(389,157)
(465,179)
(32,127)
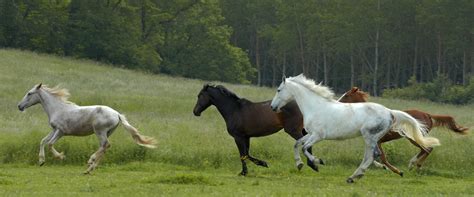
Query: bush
(439,90)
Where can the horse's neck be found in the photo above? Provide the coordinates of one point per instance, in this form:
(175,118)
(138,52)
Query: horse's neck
(226,106)
(51,104)
(308,102)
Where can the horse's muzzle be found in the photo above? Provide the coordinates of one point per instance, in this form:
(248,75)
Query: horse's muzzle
(196,113)
(21,108)
(274,108)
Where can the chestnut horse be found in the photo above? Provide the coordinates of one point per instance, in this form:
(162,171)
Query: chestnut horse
(245,119)
(355,95)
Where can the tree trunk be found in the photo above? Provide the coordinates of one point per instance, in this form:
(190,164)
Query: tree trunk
(283,70)
(325,67)
(439,71)
(352,69)
(397,71)
(257,59)
(464,68)
(376,62)
(415,59)
(300,36)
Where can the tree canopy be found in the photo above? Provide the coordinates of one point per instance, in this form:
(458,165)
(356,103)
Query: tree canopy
(373,44)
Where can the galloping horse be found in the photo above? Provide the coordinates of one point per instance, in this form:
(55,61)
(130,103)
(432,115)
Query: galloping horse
(355,95)
(66,118)
(245,119)
(325,118)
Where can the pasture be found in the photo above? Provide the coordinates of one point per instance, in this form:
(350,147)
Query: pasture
(195,155)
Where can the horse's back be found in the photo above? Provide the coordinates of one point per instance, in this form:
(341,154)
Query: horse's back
(258,119)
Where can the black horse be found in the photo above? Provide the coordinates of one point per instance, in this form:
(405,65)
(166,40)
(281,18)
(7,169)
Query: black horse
(245,119)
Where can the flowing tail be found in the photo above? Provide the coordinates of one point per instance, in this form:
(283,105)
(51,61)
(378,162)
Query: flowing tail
(409,127)
(141,140)
(448,122)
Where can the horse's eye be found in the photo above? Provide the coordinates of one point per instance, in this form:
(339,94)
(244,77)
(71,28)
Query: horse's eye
(29,93)
(278,90)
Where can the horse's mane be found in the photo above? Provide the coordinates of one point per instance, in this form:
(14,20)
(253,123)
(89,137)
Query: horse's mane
(224,91)
(320,90)
(58,92)
(364,95)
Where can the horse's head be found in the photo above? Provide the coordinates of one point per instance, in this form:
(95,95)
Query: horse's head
(282,96)
(354,95)
(31,98)
(203,101)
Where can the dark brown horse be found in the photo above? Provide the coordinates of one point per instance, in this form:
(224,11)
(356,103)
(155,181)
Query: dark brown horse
(245,119)
(355,95)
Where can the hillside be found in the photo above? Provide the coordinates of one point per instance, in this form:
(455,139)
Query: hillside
(161,106)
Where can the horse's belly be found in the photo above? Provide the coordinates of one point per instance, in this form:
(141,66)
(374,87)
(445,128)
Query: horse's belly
(338,135)
(79,130)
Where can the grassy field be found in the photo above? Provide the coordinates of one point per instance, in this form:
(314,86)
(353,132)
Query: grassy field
(195,155)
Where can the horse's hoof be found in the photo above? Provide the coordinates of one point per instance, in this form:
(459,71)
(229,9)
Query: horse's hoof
(41,163)
(313,166)
(61,157)
(350,180)
(86,173)
(299,166)
(242,173)
(264,164)
(401,174)
(321,162)
(385,167)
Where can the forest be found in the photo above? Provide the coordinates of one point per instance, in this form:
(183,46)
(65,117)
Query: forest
(372,44)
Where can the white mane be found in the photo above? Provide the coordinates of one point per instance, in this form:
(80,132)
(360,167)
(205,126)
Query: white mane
(60,93)
(320,90)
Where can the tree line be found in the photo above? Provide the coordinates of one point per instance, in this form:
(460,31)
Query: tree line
(373,44)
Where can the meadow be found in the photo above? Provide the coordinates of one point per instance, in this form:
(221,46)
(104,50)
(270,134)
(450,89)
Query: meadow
(195,155)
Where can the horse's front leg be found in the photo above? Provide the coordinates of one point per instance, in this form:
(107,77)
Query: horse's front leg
(311,158)
(41,151)
(299,163)
(56,136)
(240,142)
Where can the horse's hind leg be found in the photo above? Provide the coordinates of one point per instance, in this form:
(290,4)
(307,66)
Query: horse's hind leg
(386,163)
(368,159)
(423,157)
(95,158)
(253,159)
(419,158)
(415,160)
(43,142)
(56,136)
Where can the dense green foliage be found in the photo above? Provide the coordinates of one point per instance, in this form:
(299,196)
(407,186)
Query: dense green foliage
(440,90)
(195,155)
(185,38)
(373,44)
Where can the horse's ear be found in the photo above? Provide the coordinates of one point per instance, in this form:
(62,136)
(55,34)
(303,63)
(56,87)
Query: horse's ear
(39,86)
(354,89)
(205,86)
(283,78)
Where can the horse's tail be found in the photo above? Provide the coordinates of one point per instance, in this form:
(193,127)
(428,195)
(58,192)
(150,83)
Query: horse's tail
(409,127)
(448,122)
(141,140)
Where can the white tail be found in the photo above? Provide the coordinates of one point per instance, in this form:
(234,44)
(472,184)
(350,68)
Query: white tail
(409,127)
(141,140)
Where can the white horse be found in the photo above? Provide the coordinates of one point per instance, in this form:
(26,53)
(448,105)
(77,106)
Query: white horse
(326,119)
(67,118)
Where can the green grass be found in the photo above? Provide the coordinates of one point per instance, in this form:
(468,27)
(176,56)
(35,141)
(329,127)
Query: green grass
(195,155)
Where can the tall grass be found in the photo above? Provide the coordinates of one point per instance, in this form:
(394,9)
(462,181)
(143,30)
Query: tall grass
(161,106)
